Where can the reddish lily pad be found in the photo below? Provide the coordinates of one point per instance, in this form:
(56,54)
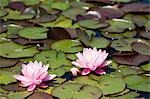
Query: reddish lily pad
(141,48)
(145,34)
(5,62)
(131,59)
(136,7)
(40,95)
(17,6)
(13,87)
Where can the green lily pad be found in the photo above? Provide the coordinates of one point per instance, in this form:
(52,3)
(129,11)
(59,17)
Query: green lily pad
(138,82)
(68,46)
(6,77)
(14,50)
(34,33)
(4,3)
(19,95)
(119,25)
(3,12)
(121,45)
(141,48)
(77,91)
(12,30)
(147,25)
(73,12)
(92,24)
(56,60)
(123,1)
(127,70)
(71,56)
(108,84)
(16,15)
(146,67)
(111,85)
(60,22)
(31,2)
(60,6)
(99,42)
(130,95)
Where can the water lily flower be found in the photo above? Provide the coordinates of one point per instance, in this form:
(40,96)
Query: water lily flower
(34,74)
(90,60)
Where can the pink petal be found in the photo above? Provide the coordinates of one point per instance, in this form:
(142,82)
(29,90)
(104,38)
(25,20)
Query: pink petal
(25,84)
(31,87)
(86,71)
(37,82)
(21,78)
(43,85)
(74,71)
(100,71)
(106,63)
(49,77)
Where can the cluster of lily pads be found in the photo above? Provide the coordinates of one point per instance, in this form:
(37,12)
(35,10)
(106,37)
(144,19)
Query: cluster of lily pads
(53,31)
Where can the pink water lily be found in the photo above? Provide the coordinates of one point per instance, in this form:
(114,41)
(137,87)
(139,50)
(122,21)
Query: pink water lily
(34,74)
(90,60)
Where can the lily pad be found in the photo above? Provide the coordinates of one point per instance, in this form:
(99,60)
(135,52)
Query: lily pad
(60,6)
(77,91)
(4,3)
(147,25)
(131,59)
(4,62)
(6,77)
(145,34)
(40,95)
(3,12)
(92,24)
(14,50)
(16,15)
(73,12)
(19,95)
(130,95)
(34,33)
(99,42)
(56,60)
(138,82)
(111,85)
(119,25)
(13,87)
(31,2)
(146,67)
(68,46)
(141,48)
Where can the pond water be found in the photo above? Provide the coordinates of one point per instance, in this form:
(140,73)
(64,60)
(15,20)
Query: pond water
(74,49)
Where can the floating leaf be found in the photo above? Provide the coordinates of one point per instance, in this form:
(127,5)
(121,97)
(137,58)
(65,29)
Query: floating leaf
(19,95)
(14,50)
(16,15)
(56,60)
(60,5)
(136,7)
(111,85)
(119,25)
(40,95)
(68,46)
(77,91)
(33,33)
(73,12)
(131,59)
(4,3)
(147,25)
(138,82)
(123,1)
(3,12)
(92,24)
(31,2)
(130,95)
(99,42)
(4,62)
(13,87)
(6,77)
(146,67)
(145,34)
(141,48)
